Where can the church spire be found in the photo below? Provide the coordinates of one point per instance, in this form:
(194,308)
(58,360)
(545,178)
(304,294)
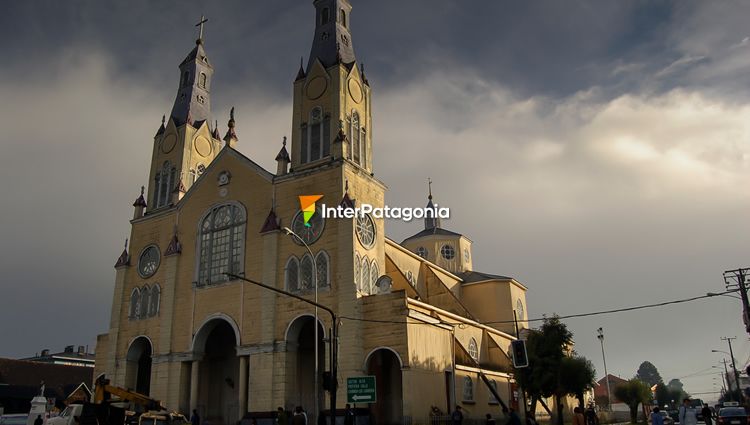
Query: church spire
(429,221)
(333,40)
(192,104)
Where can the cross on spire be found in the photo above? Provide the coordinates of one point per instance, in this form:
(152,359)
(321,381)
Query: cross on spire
(200,25)
(429,186)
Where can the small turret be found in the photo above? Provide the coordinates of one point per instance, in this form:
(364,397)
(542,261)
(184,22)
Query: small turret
(282,160)
(140,205)
(434,221)
(231,137)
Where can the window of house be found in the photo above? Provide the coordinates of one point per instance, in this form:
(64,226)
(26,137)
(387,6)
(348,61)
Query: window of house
(448,252)
(325,16)
(292,274)
(343,18)
(163,184)
(365,275)
(374,275)
(144,302)
(321,261)
(222,243)
(468,392)
(493,399)
(153,307)
(356,139)
(135,299)
(316,137)
(202,80)
(422,252)
(185,79)
(306,273)
(473,349)
(357,272)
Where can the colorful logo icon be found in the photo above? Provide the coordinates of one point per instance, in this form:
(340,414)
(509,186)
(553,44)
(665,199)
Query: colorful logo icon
(307,204)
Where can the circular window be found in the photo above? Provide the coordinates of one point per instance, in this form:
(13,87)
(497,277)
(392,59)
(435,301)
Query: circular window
(473,349)
(311,231)
(365,228)
(422,252)
(519,309)
(466,255)
(148,262)
(448,252)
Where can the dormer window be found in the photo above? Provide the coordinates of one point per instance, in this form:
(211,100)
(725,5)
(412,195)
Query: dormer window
(316,137)
(343,18)
(163,184)
(358,137)
(202,80)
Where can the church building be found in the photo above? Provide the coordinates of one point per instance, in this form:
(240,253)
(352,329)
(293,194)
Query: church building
(188,330)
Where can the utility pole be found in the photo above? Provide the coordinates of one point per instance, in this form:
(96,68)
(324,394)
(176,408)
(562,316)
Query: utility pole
(734,366)
(737,280)
(600,335)
(726,375)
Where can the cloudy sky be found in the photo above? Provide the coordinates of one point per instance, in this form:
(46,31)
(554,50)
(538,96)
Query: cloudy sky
(599,152)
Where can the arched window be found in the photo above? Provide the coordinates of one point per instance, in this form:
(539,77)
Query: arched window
(365,276)
(322,263)
(343,18)
(468,392)
(422,252)
(163,185)
(374,275)
(306,273)
(153,306)
(493,399)
(473,349)
(292,274)
(202,80)
(356,138)
(144,302)
(325,16)
(357,273)
(135,299)
(316,137)
(222,243)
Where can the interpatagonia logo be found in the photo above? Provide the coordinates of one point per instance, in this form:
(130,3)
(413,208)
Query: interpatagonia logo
(307,205)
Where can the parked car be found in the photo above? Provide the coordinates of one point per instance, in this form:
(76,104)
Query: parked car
(15,419)
(732,416)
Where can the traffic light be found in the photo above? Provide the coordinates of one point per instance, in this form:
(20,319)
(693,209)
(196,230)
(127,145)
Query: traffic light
(520,359)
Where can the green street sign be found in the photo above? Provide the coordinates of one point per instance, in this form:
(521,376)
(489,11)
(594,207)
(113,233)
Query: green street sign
(361,389)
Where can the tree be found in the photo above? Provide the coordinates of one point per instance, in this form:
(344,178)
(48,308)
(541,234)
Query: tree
(633,393)
(552,370)
(675,384)
(648,373)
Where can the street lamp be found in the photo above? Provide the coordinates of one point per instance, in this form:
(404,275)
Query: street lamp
(600,335)
(291,233)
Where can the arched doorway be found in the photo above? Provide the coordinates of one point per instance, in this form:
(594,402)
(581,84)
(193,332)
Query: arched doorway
(385,365)
(218,388)
(138,365)
(300,365)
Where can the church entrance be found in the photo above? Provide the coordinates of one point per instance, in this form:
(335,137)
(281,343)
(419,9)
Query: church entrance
(300,365)
(138,366)
(218,392)
(385,365)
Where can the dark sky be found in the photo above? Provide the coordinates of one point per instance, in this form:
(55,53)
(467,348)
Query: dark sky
(597,151)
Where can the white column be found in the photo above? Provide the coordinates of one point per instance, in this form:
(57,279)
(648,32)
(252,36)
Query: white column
(194,374)
(243,385)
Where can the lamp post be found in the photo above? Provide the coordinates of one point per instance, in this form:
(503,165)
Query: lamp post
(291,233)
(600,335)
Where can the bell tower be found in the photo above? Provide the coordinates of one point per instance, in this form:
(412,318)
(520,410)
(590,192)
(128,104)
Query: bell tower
(185,144)
(332,115)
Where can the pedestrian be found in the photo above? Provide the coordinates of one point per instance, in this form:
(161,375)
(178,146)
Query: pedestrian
(590,414)
(457,417)
(687,414)
(707,414)
(513,418)
(348,415)
(299,418)
(489,420)
(38,420)
(195,418)
(656,417)
(578,418)
(281,418)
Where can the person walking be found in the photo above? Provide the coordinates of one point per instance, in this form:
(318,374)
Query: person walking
(195,418)
(281,418)
(457,417)
(656,417)
(578,418)
(489,420)
(348,415)
(707,414)
(687,414)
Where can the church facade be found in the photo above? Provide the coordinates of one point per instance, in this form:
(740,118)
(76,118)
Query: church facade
(433,331)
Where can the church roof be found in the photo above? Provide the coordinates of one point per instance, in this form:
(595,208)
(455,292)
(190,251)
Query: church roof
(475,276)
(430,232)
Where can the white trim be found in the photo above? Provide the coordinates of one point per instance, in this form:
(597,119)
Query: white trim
(291,322)
(210,318)
(367,357)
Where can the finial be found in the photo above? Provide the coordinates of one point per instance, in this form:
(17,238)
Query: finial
(283,143)
(126,244)
(163,119)
(429,185)
(346,186)
(216,124)
(231,117)
(200,31)
(142,189)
